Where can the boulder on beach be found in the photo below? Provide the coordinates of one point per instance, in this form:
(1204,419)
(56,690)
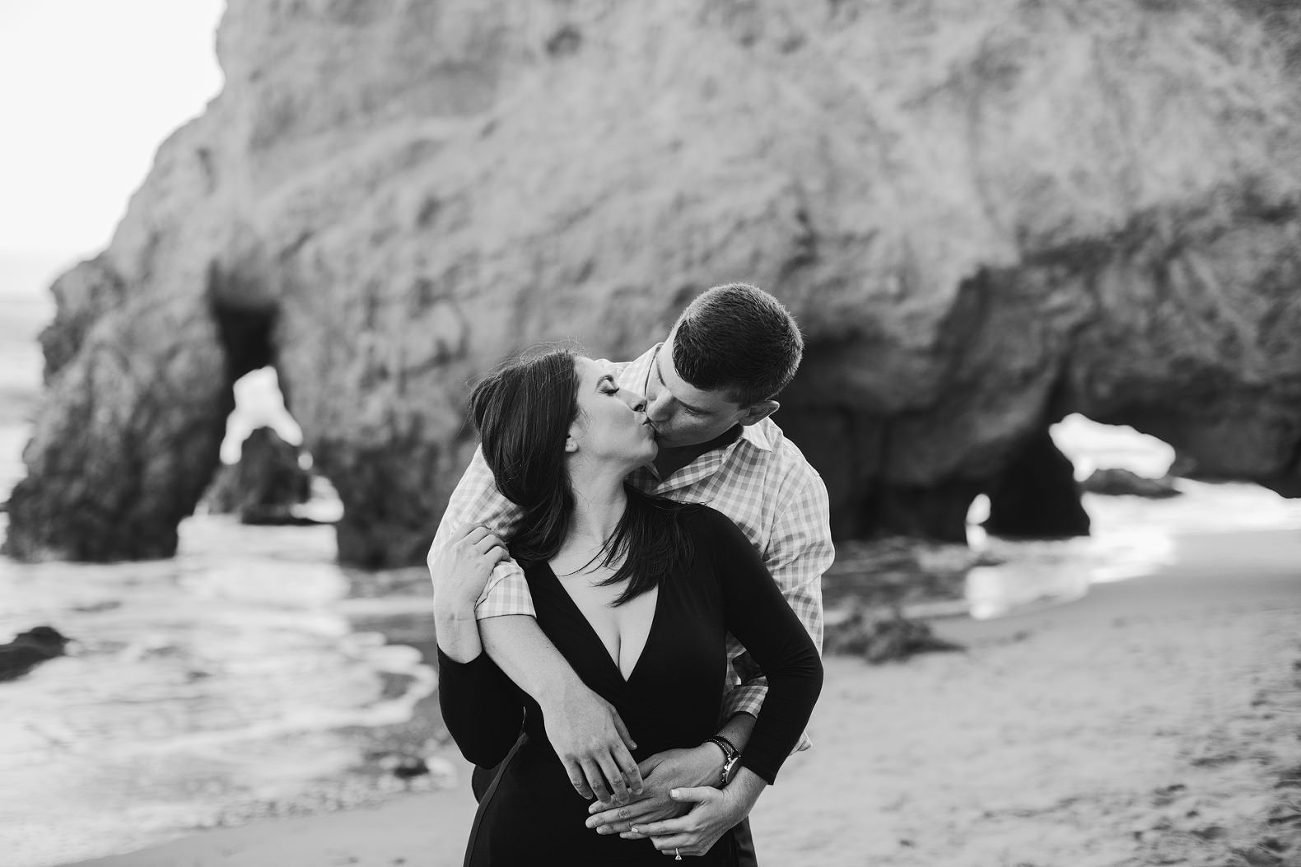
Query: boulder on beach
(1121,482)
(986,214)
(884,636)
(265,485)
(1035,496)
(29,649)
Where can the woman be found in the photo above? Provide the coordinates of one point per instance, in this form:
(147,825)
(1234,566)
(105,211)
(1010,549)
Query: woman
(638,593)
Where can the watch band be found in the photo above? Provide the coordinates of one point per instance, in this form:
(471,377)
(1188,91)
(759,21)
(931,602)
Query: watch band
(730,756)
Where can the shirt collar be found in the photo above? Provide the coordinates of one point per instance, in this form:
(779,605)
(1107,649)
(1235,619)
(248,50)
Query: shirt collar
(636,373)
(760,434)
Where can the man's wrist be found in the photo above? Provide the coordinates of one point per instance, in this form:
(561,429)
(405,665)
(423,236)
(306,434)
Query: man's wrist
(745,787)
(731,755)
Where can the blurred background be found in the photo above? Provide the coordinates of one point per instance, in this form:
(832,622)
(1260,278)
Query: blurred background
(251,259)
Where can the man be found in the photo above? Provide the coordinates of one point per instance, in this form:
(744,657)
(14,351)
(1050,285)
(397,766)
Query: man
(710,389)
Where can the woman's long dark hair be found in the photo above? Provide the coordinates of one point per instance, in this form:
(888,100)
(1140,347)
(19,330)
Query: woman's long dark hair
(523,412)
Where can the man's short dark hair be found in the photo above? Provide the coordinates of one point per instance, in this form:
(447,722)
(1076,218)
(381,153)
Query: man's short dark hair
(740,339)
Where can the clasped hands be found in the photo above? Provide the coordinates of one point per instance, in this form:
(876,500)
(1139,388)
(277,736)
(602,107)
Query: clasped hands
(679,810)
(669,797)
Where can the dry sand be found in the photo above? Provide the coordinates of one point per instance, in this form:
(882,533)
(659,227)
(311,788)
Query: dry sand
(1157,721)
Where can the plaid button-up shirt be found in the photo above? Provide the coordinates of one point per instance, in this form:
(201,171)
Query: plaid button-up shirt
(761,481)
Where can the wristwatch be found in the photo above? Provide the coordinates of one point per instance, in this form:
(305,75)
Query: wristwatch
(730,756)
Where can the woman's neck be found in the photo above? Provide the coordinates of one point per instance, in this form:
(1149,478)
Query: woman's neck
(599,503)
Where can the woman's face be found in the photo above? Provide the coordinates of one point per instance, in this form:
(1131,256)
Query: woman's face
(611,423)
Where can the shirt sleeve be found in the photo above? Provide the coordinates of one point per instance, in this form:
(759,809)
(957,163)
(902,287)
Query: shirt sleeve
(799,551)
(476,501)
(757,613)
(481,708)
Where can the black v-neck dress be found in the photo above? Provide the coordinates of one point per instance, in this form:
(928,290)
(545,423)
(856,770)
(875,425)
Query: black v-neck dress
(672,698)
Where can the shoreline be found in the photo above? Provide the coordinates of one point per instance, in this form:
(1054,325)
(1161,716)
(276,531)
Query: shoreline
(1156,720)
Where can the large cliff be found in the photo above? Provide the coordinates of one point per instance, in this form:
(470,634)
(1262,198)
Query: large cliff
(985,213)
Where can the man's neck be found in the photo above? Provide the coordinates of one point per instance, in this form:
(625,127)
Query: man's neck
(670,460)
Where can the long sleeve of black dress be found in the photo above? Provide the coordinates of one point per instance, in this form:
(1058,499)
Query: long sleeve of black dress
(482,708)
(758,615)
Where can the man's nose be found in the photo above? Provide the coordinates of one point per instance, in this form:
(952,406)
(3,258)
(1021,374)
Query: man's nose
(659,409)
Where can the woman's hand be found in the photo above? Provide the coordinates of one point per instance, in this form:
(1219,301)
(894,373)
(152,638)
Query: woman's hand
(460,572)
(713,813)
(660,773)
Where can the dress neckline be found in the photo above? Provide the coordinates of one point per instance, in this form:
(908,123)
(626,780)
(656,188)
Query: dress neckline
(595,637)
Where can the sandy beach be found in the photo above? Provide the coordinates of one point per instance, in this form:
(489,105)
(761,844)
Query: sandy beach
(1156,721)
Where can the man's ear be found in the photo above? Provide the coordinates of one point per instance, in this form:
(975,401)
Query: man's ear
(759,411)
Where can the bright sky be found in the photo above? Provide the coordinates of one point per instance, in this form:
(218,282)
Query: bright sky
(88,90)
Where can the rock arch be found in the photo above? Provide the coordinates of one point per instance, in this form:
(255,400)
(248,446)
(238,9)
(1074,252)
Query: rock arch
(985,214)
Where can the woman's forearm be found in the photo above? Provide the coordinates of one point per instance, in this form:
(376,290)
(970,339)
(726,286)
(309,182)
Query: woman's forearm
(481,709)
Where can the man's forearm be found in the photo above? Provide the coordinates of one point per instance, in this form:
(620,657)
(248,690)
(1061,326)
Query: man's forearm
(520,649)
(737,730)
(747,786)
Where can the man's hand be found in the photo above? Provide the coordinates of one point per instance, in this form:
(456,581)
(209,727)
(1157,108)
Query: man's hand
(671,769)
(593,744)
(713,813)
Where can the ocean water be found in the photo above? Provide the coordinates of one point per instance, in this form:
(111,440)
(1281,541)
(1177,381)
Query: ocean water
(249,676)
(253,676)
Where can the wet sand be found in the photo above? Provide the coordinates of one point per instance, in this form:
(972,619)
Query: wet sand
(1156,721)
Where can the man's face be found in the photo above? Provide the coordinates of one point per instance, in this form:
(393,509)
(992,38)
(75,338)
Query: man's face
(682,414)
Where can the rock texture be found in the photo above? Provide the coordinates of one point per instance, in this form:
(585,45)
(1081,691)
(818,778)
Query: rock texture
(266,483)
(29,649)
(986,213)
(1121,482)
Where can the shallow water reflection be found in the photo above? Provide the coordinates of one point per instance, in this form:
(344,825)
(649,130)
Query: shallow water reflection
(199,689)
(1132,537)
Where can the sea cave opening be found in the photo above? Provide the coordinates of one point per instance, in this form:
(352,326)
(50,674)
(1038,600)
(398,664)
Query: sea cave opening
(1046,491)
(266,476)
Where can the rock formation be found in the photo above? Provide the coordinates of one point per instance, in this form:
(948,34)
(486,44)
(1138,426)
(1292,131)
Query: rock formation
(986,214)
(29,649)
(265,484)
(1117,482)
